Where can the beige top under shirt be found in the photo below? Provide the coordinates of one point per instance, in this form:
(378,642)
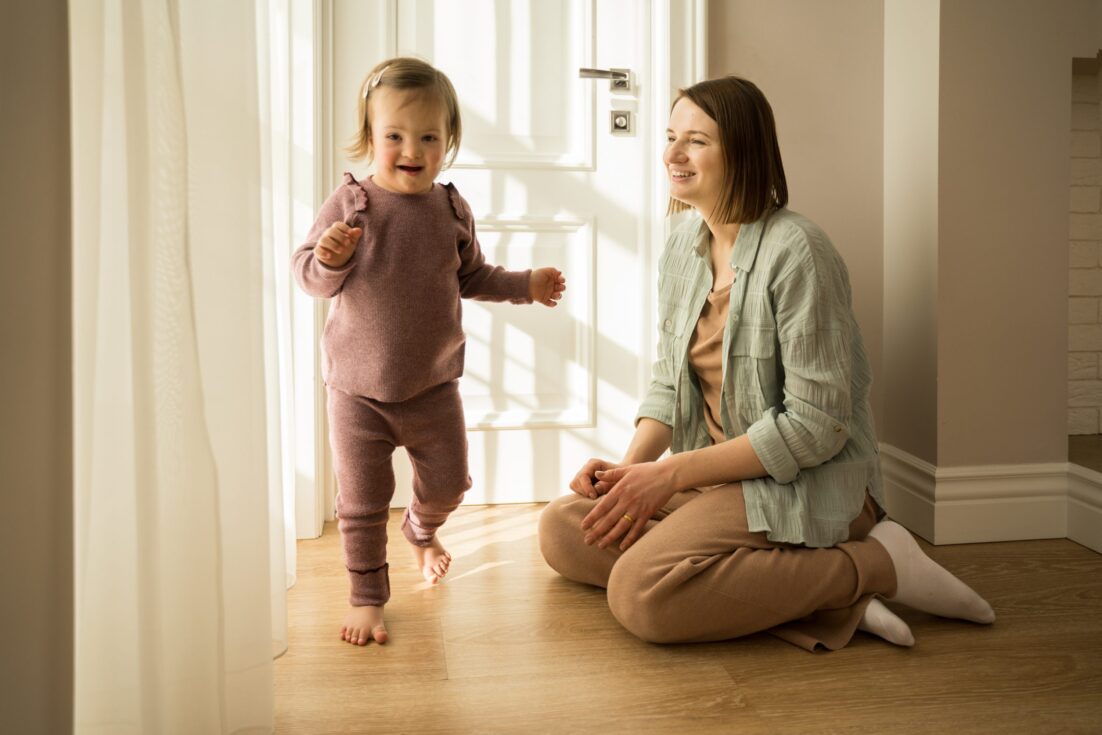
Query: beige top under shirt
(706,357)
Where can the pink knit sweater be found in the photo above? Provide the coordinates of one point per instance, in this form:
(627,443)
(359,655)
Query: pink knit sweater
(394,327)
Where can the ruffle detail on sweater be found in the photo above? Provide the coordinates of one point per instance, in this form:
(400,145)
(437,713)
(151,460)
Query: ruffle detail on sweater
(358,191)
(462,211)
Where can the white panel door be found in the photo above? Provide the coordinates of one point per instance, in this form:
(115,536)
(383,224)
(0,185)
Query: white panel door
(549,184)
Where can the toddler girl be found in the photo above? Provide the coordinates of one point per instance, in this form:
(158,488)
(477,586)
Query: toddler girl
(396,252)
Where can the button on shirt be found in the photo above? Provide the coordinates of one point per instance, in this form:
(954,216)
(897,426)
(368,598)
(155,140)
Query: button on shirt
(795,376)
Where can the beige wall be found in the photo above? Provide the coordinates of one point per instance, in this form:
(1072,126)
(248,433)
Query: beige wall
(1005,101)
(931,140)
(911,66)
(821,67)
(35,408)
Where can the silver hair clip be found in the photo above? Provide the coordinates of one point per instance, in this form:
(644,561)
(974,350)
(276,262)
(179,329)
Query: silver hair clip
(373,82)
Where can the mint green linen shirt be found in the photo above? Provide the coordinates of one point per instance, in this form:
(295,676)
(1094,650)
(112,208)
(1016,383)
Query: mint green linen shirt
(795,375)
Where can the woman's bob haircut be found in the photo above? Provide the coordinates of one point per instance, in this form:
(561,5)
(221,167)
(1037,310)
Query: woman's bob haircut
(755,182)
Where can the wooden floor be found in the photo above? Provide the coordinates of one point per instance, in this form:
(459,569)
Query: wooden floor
(507,646)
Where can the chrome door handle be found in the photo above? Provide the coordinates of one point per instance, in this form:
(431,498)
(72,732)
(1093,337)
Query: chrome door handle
(619,79)
(585,73)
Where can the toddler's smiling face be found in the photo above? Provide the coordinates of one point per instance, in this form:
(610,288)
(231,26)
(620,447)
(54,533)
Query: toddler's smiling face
(409,133)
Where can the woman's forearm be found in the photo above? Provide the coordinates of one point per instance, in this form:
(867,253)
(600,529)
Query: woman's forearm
(651,439)
(730,461)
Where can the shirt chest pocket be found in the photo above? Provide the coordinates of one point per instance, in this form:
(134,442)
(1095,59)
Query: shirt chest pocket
(673,336)
(753,382)
(672,319)
(674,294)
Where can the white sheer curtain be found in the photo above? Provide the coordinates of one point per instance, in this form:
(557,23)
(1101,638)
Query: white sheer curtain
(181,546)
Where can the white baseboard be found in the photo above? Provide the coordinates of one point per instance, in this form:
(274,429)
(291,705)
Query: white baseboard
(957,505)
(1085,507)
(1001,503)
(909,490)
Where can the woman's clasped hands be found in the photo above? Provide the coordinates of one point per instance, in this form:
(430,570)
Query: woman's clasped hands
(630,495)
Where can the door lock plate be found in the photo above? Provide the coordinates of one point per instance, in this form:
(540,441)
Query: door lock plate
(619,122)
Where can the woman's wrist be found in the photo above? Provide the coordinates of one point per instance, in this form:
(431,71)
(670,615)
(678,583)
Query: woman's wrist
(675,467)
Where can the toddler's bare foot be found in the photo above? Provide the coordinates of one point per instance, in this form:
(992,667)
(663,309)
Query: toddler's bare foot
(364,624)
(433,560)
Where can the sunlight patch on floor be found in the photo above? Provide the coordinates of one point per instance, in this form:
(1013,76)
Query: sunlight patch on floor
(474,538)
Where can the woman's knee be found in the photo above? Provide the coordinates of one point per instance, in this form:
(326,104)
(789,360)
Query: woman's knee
(560,527)
(636,601)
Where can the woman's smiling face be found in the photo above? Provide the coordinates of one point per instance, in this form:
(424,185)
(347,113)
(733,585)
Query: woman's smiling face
(694,157)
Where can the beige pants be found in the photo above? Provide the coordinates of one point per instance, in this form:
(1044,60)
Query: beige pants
(698,573)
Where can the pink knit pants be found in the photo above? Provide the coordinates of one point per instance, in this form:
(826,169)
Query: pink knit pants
(363,434)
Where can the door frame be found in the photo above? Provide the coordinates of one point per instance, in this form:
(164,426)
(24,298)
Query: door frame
(678,37)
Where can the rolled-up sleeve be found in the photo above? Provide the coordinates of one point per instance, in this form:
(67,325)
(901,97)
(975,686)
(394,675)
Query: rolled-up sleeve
(661,395)
(815,333)
(659,401)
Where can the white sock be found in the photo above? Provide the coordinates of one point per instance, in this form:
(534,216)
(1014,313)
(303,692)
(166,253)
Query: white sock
(923,584)
(880,621)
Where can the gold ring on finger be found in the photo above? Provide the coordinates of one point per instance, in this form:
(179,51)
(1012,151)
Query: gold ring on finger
(629,518)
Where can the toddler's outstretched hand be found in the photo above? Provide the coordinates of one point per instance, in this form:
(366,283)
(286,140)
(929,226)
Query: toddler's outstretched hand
(337,244)
(546,286)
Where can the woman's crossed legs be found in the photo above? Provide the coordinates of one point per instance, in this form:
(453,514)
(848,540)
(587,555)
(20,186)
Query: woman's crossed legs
(699,574)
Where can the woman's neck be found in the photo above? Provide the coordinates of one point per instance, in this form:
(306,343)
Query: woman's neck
(722,245)
(723,236)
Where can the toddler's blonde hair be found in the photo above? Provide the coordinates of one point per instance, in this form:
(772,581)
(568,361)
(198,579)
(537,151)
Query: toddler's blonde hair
(406,73)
